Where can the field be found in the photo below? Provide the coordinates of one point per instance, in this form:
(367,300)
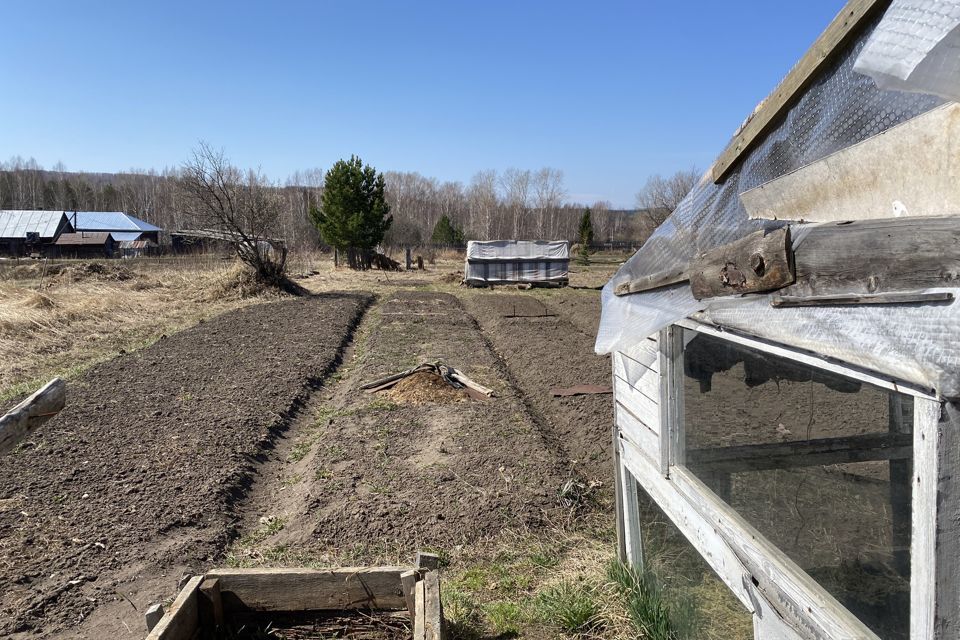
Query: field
(208,425)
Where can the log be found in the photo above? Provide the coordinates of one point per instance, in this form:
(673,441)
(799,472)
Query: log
(759,262)
(26,417)
(876,256)
(653,281)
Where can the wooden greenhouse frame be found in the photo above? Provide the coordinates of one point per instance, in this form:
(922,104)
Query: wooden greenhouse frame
(648,434)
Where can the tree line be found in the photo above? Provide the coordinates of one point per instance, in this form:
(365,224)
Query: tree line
(515,203)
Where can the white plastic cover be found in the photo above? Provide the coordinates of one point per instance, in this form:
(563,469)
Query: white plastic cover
(840,108)
(525,249)
(916,47)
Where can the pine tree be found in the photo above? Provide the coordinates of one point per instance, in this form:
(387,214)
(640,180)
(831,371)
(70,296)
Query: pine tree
(447,233)
(353,214)
(585,233)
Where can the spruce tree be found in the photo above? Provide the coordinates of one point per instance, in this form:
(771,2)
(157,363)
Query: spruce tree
(585,233)
(445,232)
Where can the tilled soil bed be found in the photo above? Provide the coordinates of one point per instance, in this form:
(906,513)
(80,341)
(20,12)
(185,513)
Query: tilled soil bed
(142,471)
(385,477)
(547,343)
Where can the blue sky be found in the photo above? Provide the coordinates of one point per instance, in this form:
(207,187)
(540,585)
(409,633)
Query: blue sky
(608,92)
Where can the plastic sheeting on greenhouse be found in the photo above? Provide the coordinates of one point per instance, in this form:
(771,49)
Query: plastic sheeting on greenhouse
(916,47)
(517,261)
(839,108)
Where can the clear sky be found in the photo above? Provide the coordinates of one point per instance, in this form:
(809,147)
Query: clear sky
(608,92)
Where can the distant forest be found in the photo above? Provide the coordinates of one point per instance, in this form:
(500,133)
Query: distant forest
(494,205)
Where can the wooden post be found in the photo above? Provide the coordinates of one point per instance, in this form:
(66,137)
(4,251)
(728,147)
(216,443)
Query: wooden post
(153,615)
(901,470)
(27,416)
(210,609)
(618,472)
(409,259)
(935,549)
(408,583)
(336,257)
(428,561)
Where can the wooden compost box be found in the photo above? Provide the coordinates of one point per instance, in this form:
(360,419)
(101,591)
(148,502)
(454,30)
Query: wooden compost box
(240,603)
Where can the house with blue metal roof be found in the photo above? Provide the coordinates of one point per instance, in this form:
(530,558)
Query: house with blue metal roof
(122,226)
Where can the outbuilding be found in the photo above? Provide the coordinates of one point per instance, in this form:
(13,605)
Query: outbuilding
(784,346)
(85,244)
(534,262)
(24,233)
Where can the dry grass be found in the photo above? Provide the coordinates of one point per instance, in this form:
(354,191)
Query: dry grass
(61,319)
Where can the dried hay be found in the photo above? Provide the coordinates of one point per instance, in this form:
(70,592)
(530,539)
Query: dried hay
(424,387)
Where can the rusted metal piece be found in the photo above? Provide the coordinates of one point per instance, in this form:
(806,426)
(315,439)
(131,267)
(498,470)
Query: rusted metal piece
(581,390)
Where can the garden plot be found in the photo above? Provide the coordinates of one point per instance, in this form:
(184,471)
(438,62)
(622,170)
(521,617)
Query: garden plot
(137,479)
(373,477)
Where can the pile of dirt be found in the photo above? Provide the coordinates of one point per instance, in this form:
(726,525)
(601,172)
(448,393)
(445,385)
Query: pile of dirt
(139,476)
(455,277)
(424,387)
(91,271)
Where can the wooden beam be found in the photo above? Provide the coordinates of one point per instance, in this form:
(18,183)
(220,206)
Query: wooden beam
(653,281)
(311,589)
(759,262)
(432,608)
(408,582)
(210,606)
(420,619)
(427,561)
(27,416)
(153,615)
(876,256)
(805,453)
(856,299)
(824,50)
(935,546)
(182,619)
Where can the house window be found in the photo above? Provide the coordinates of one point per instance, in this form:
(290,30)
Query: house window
(817,462)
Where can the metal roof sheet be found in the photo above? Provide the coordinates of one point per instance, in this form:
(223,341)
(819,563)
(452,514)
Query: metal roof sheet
(16,223)
(108,221)
(126,236)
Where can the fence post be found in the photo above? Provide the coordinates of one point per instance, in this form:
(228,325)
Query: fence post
(409,259)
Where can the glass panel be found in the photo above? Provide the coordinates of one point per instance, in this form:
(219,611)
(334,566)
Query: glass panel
(819,463)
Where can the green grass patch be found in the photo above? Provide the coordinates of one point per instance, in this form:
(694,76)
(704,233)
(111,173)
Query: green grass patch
(657,613)
(572,607)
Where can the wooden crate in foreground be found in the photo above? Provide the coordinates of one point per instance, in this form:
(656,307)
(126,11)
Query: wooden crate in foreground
(209,603)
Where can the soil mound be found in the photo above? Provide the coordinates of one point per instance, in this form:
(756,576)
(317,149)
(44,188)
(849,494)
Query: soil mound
(98,271)
(424,387)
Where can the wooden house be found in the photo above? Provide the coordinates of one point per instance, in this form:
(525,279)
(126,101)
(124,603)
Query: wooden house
(84,244)
(784,348)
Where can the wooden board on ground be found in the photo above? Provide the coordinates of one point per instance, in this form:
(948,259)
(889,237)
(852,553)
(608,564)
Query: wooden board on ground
(26,417)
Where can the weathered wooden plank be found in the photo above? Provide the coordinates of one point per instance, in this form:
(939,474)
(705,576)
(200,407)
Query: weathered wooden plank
(180,621)
(153,615)
(835,36)
(27,416)
(618,480)
(631,509)
(645,409)
(804,453)
(311,589)
(809,609)
(640,377)
(914,164)
(935,557)
(432,608)
(671,398)
(759,262)
(210,605)
(408,582)
(877,256)
(650,282)
(850,299)
(420,619)
(645,438)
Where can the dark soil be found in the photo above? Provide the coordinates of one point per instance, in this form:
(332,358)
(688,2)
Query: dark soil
(383,479)
(142,471)
(544,349)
